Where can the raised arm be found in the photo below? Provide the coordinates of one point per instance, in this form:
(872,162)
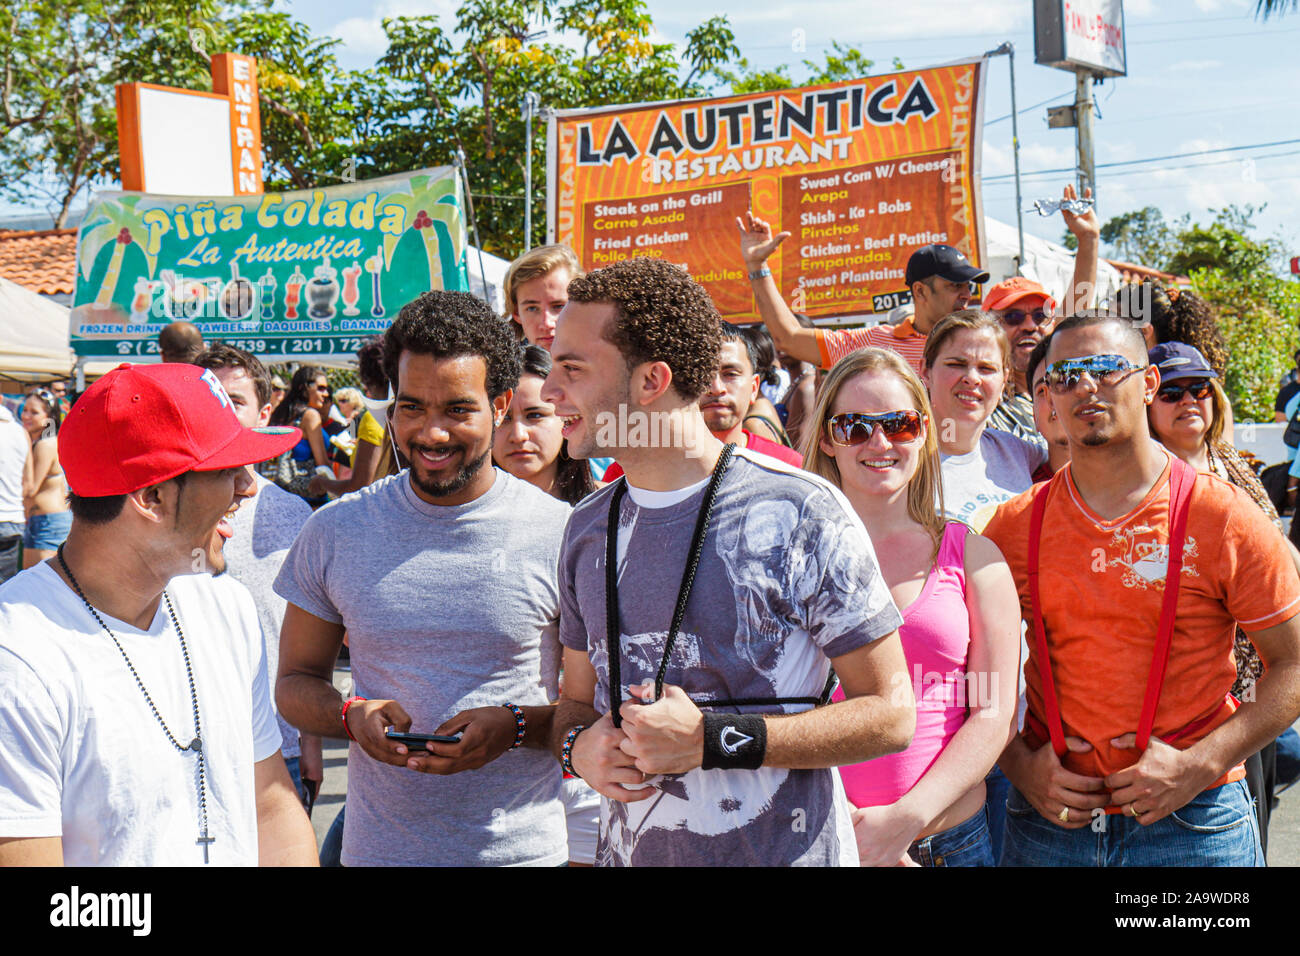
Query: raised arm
(756,244)
(1087,233)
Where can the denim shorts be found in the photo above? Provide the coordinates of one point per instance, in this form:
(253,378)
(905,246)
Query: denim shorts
(966,844)
(47,532)
(1217,828)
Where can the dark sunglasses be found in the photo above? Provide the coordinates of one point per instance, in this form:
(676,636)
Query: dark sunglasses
(1174,391)
(852,428)
(1016,317)
(1064,375)
(323,389)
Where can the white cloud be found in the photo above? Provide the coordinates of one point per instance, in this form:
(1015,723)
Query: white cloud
(364,36)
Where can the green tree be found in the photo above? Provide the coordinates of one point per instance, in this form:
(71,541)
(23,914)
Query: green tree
(1141,236)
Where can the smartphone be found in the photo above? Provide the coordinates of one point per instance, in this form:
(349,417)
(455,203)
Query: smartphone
(416,742)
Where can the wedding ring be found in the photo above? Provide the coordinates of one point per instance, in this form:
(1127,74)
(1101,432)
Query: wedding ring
(1132,811)
(1064,815)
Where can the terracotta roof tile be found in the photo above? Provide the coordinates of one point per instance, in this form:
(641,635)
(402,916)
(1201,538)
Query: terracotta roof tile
(43,261)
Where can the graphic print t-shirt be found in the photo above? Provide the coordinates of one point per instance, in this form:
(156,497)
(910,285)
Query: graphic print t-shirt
(786,580)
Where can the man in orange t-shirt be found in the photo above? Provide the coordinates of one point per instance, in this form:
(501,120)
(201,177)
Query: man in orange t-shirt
(1103,555)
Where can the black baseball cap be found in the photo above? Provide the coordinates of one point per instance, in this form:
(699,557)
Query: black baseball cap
(943,261)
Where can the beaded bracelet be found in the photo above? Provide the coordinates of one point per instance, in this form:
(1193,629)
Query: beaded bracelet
(521,725)
(344,716)
(566,750)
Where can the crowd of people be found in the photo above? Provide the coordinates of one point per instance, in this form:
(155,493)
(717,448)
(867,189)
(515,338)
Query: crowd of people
(624,584)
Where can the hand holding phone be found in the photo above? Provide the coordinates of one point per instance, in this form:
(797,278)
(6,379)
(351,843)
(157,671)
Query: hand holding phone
(418,743)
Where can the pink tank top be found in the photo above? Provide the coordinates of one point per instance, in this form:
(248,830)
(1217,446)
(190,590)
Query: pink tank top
(936,639)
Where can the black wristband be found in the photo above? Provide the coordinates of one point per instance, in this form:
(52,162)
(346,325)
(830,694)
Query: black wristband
(734,741)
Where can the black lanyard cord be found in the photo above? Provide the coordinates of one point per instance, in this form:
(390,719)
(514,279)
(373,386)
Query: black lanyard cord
(612,633)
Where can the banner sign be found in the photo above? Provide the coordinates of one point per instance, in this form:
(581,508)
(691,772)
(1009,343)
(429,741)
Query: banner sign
(287,276)
(861,173)
(1085,35)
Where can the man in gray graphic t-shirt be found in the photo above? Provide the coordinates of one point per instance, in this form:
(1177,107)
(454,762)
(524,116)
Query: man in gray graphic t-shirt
(444,578)
(786,585)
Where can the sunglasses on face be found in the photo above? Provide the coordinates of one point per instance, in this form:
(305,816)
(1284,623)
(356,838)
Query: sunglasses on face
(1064,375)
(852,428)
(1016,317)
(323,389)
(1174,391)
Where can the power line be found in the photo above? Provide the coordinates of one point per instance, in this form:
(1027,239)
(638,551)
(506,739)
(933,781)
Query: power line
(1050,99)
(1148,159)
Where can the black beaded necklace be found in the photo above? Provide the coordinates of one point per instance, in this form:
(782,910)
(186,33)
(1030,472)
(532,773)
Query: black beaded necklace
(196,744)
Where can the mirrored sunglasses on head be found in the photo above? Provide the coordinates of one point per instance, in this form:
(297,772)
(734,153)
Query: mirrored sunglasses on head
(853,428)
(1064,375)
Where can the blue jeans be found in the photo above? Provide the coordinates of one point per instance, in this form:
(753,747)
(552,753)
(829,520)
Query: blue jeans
(331,848)
(11,537)
(996,787)
(1218,828)
(966,844)
(1288,760)
(47,532)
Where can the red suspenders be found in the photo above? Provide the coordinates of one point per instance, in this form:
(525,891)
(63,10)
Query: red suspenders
(1181,479)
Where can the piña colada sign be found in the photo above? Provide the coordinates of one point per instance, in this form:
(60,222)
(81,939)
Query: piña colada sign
(296,274)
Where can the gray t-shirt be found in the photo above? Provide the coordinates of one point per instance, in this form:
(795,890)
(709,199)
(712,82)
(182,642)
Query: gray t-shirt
(786,580)
(446,608)
(1000,467)
(265,527)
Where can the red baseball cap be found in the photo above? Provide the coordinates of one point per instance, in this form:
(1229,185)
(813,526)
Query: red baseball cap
(143,424)
(1010,291)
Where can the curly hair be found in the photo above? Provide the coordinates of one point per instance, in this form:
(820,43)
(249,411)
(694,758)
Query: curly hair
(1176,316)
(661,315)
(370,365)
(450,325)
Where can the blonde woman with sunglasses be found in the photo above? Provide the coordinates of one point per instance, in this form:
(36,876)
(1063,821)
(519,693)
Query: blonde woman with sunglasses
(875,440)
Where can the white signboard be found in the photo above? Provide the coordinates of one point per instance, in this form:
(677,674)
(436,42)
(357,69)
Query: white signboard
(1081,35)
(185,142)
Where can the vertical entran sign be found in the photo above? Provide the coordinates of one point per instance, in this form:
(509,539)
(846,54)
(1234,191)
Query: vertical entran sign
(235,77)
(1081,35)
(861,173)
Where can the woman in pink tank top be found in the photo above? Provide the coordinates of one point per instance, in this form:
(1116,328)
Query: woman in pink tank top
(961,619)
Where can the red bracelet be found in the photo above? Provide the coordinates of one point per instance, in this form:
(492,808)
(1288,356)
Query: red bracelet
(346,704)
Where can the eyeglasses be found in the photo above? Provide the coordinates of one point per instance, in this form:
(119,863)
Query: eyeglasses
(852,428)
(1174,391)
(323,389)
(1016,317)
(1064,375)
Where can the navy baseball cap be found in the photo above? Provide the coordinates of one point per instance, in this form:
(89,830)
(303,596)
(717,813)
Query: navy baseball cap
(1178,360)
(943,261)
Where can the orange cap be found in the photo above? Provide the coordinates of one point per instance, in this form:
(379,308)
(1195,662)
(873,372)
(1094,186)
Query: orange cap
(1010,291)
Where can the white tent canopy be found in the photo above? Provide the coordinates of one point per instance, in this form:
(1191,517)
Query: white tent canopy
(1048,263)
(33,335)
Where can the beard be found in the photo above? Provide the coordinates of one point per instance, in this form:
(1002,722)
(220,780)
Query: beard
(442,489)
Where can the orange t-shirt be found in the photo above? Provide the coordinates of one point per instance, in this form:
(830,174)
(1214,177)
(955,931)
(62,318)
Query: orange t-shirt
(903,338)
(1101,584)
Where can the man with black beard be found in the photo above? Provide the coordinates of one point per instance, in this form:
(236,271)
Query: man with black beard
(451,608)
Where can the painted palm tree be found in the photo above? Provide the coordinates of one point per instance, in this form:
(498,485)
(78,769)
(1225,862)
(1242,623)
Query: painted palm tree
(1266,8)
(115,222)
(433,209)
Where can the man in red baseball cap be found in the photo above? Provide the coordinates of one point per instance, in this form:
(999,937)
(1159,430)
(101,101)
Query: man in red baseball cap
(136,725)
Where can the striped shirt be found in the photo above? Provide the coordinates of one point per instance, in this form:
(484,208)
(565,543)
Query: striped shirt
(903,338)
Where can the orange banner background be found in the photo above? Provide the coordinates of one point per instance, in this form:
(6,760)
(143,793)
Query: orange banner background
(861,173)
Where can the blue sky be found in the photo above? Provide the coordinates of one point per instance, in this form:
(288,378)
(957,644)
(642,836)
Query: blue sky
(1203,74)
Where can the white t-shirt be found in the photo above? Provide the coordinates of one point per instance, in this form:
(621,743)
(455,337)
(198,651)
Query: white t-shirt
(1000,467)
(81,754)
(14,448)
(265,527)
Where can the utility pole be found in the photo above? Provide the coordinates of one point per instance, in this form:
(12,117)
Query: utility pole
(530,104)
(1083,132)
